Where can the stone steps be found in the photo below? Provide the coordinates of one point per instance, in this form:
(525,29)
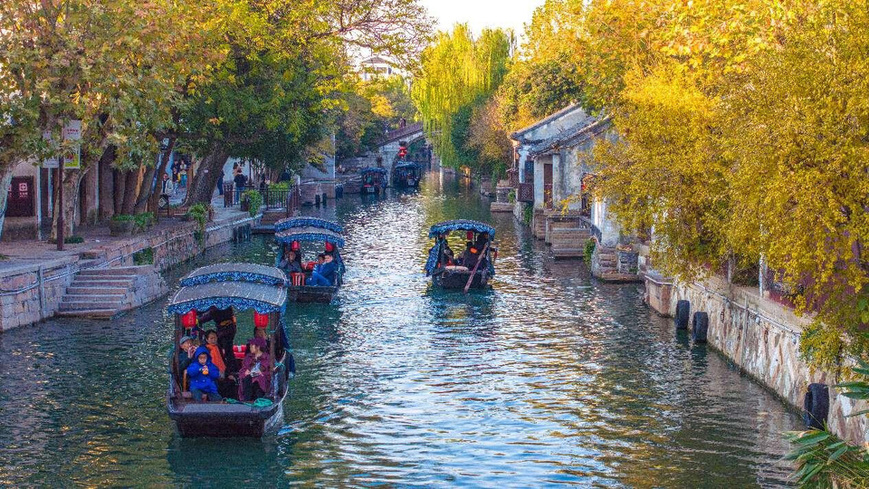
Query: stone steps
(88,313)
(100,293)
(95,290)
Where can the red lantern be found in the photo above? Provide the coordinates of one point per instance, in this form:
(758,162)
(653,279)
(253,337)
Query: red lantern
(470,235)
(260,320)
(329,247)
(294,246)
(188,320)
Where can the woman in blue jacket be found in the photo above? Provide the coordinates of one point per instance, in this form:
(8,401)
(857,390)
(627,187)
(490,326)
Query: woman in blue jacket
(203,375)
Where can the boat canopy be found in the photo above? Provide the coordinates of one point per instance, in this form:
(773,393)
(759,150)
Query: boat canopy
(309,233)
(371,169)
(406,164)
(307,222)
(461,225)
(239,295)
(235,272)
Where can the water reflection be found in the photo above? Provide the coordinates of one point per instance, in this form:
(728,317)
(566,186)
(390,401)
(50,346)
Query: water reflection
(549,377)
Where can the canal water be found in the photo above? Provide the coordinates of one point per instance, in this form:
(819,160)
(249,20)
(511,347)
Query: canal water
(549,378)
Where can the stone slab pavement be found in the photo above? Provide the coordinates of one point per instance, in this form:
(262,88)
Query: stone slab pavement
(23,255)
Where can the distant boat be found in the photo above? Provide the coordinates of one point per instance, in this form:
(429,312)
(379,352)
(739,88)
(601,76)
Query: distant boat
(373,180)
(300,232)
(406,175)
(473,267)
(234,288)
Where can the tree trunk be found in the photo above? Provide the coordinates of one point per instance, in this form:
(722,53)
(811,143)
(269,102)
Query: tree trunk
(129,202)
(205,180)
(5,181)
(145,190)
(107,183)
(154,196)
(71,181)
(120,185)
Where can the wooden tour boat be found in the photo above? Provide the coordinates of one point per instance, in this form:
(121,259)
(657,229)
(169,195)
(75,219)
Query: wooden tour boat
(373,180)
(406,175)
(474,267)
(231,288)
(292,233)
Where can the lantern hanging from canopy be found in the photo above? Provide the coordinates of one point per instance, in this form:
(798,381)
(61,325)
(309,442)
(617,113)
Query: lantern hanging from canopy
(260,320)
(470,235)
(188,320)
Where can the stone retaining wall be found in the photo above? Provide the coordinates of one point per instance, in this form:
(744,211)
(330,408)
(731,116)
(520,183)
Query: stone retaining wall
(32,293)
(762,338)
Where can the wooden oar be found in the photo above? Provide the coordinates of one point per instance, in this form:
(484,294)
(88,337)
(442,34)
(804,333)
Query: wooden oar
(474,271)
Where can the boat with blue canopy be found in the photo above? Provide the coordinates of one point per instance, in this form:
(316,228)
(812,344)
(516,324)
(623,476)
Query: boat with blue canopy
(232,295)
(473,267)
(300,235)
(373,180)
(406,175)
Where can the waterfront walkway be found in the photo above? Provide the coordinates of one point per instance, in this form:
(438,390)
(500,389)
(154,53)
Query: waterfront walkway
(97,239)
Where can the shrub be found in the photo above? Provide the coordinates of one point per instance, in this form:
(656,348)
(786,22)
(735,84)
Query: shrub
(199,213)
(144,257)
(589,249)
(254,200)
(123,217)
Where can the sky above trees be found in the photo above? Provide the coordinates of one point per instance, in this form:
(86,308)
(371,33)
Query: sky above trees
(481,14)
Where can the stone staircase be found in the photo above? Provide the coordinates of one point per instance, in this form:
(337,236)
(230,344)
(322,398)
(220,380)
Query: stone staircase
(568,242)
(104,293)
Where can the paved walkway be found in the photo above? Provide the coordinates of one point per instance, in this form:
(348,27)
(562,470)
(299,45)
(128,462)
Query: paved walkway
(32,252)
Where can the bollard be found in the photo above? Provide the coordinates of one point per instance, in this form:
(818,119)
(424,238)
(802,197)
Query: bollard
(699,327)
(683,311)
(816,406)
(339,192)
(317,199)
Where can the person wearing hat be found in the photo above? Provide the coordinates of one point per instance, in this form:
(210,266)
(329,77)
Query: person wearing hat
(187,347)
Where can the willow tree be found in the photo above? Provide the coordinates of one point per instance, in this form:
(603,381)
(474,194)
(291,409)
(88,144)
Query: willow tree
(458,73)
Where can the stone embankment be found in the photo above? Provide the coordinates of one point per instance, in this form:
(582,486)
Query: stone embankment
(32,292)
(762,338)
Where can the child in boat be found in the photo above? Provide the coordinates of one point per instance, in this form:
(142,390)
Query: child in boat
(255,373)
(202,375)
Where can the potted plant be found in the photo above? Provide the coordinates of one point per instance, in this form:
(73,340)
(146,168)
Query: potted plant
(122,225)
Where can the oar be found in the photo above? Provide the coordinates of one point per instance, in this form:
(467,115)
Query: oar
(474,271)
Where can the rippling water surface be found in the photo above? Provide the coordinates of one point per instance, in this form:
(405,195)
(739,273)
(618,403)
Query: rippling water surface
(549,378)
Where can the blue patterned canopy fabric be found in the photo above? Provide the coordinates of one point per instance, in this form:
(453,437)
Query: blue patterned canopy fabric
(433,255)
(241,296)
(303,222)
(461,225)
(370,169)
(235,272)
(309,234)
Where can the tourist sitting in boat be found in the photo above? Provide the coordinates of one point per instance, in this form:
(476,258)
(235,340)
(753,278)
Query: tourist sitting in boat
(214,350)
(225,321)
(447,256)
(202,375)
(470,256)
(292,262)
(185,353)
(324,273)
(254,374)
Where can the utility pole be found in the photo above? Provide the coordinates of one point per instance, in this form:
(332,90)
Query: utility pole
(60,223)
